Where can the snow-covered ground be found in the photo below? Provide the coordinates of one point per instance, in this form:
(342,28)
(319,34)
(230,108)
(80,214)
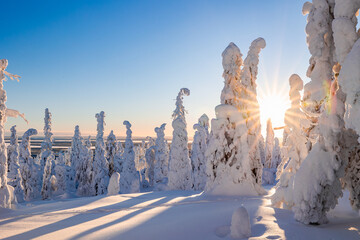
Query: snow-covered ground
(166,215)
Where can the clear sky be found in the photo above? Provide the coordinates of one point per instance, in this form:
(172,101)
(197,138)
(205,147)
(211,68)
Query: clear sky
(130,58)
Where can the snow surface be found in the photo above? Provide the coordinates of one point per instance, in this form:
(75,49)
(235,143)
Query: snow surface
(166,215)
(240,224)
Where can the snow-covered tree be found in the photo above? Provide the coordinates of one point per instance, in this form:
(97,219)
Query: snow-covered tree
(14,175)
(130,178)
(229,167)
(275,156)
(321,47)
(111,149)
(46,156)
(150,160)
(118,158)
(60,175)
(179,176)
(249,105)
(317,183)
(29,170)
(86,170)
(46,145)
(75,151)
(46,180)
(161,158)
(294,149)
(100,164)
(269,144)
(6,194)
(262,149)
(198,150)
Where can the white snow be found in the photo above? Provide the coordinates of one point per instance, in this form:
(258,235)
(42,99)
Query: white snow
(114,184)
(165,215)
(240,224)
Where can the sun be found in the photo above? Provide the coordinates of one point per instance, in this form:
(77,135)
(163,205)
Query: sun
(273,105)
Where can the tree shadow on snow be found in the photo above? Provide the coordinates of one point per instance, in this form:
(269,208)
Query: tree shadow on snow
(84,216)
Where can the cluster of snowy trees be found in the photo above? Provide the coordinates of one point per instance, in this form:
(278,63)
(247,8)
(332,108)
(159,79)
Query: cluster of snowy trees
(318,158)
(321,140)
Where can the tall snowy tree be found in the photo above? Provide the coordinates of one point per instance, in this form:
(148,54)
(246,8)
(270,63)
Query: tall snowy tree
(100,164)
(111,149)
(275,156)
(150,160)
(262,149)
(317,184)
(129,177)
(161,159)
(85,170)
(269,144)
(249,105)
(321,47)
(14,175)
(294,149)
(229,167)
(29,170)
(75,151)
(46,156)
(46,145)
(179,161)
(118,157)
(60,174)
(6,194)
(198,150)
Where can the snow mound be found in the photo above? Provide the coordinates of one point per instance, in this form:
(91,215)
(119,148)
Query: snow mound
(240,224)
(114,184)
(231,58)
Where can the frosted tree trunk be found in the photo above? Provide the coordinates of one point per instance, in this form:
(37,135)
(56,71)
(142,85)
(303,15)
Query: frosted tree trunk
(179,162)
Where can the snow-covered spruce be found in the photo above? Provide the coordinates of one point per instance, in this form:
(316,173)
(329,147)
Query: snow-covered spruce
(87,174)
(60,175)
(228,163)
(262,149)
(114,184)
(46,145)
(294,150)
(130,178)
(349,80)
(249,105)
(14,175)
(240,224)
(6,191)
(269,144)
(275,156)
(150,160)
(118,157)
(161,159)
(321,47)
(179,162)
(29,170)
(198,150)
(111,149)
(46,157)
(75,152)
(100,165)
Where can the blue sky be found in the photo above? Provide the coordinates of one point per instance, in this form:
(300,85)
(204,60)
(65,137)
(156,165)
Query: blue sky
(130,58)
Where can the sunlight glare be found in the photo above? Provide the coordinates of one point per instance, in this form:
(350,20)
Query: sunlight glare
(273,105)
